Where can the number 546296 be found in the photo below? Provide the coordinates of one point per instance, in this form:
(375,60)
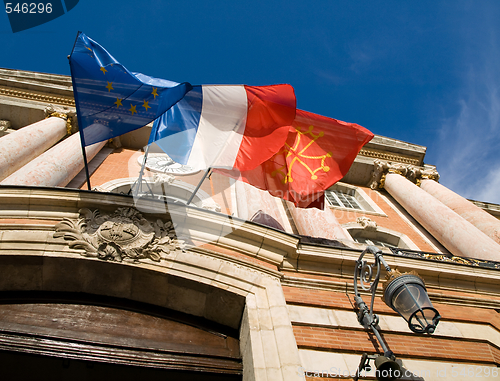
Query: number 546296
(28,7)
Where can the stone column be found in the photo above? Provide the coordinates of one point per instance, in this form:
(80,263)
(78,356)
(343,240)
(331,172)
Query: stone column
(459,236)
(20,147)
(475,215)
(57,166)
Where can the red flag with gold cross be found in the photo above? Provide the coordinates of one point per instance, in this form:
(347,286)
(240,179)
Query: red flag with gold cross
(318,152)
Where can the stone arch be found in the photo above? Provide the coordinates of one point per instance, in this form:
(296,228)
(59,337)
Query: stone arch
(196,281)
(228,258)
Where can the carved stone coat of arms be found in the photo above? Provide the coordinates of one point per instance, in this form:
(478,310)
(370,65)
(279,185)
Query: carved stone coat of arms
(122,235)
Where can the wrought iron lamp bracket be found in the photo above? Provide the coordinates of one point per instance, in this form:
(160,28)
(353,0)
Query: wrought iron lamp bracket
(368,276)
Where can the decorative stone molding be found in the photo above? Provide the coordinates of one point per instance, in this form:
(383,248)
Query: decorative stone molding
(10,92)
(4,125)
(447,258)
(163,178)
(64,113)
(124,235)
(366,228)
(412,173)
(388,156)
(367,224)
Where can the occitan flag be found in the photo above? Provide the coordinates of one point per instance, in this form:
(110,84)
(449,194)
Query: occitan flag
(318,152)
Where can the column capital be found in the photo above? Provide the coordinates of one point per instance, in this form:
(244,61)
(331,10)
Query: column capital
(417,174)
(413,173)
(64,113)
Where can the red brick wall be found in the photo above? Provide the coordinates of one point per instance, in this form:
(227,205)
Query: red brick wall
(338,300)
(122,163)
(405,345)
(116,166)
(352,340)
(393,221)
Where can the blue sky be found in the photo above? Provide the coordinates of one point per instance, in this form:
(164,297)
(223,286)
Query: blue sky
(425,72)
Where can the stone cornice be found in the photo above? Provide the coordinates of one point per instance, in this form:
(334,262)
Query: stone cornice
(44,82)
(493,209)
(226,233)
(376,154)
(390,149)
(36,96)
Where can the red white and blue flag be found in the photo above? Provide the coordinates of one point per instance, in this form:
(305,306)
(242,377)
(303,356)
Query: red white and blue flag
(226,126)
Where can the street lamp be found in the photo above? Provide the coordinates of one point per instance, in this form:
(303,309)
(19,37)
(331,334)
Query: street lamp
(405,294)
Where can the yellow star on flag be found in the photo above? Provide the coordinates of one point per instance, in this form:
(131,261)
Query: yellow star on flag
(104,71)
(118,102)
(132,109)
(155,94)
(146,105)
(110,86)
(91,54)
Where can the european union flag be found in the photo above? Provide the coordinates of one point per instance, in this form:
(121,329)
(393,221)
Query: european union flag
(110,100)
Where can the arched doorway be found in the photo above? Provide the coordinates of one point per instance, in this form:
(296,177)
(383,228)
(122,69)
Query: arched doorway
(78,336)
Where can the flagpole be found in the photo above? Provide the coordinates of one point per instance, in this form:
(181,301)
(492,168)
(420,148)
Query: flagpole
(78,116)
(207,173)
(139,179)
(84,154)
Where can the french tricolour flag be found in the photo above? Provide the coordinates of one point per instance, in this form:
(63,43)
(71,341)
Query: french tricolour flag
(226,126)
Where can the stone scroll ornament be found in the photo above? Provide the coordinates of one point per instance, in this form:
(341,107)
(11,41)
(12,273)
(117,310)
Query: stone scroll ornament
(124,235)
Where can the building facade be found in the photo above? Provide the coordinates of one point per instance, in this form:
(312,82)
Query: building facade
(126,279)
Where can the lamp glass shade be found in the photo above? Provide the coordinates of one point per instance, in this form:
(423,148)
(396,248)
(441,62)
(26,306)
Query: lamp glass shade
(407,296)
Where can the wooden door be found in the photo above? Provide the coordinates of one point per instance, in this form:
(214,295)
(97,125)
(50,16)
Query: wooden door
(75,336)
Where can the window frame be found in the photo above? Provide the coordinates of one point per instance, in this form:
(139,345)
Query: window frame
(367,204)
(342,200)
(389,237)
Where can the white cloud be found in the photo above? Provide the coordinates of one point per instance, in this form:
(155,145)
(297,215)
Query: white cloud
(469,145)
(490,191)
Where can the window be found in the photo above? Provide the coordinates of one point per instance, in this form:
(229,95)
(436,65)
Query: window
(339,199)
(350,197)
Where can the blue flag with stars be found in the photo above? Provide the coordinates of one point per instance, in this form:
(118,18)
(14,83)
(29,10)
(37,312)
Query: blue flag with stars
(110,100)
